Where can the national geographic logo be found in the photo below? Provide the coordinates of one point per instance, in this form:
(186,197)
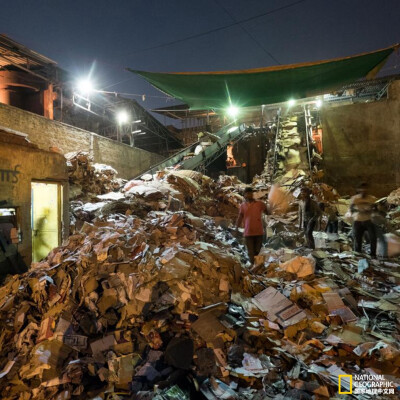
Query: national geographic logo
(344,377)
(366,384)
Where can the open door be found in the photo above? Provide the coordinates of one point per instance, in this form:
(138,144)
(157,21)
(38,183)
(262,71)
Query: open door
(46,218)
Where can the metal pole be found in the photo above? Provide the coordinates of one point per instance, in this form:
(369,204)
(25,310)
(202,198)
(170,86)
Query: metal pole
(276,143)
(306,116)
(262,116)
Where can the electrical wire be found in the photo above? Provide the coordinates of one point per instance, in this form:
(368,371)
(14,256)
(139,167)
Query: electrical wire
(238,22)
(117,83)
(251,36)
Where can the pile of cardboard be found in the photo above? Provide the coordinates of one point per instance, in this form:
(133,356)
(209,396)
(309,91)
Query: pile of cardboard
(171,191)
(150,299)
(394,197)
(287,157)
(127,305)
(292,151)
(88,177)
(97,311)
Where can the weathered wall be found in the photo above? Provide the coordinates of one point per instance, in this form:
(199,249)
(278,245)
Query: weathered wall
(32,164)
(128,161)
(361,143)
(251,151)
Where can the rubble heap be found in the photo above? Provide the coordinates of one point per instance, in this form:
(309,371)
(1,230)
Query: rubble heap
(129,303)
(287,162)
(149,299)
(287,156)
(394,197)
(292,151)
(88,177)
(172,191)
(108,300)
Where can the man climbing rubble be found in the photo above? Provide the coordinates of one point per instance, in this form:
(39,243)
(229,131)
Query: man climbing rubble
(362,206)
(309,214)
(250,213)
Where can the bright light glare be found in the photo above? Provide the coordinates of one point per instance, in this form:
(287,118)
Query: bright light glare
(291,102)
(232,111)
(318,103)
(122,117)
(85,86)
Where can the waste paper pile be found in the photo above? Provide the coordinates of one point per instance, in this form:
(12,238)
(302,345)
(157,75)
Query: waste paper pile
(171,191)
(88,177)
(151,298)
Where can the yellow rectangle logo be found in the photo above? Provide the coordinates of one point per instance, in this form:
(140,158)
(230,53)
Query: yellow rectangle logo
(351,384)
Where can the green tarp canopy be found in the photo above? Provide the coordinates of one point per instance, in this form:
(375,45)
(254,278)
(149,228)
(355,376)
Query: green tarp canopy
(216,90)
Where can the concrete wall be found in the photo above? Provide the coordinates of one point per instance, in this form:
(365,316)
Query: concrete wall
(361,143)
(33,165)
(128,161)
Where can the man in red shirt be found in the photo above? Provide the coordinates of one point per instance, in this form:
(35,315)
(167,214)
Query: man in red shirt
(250,213)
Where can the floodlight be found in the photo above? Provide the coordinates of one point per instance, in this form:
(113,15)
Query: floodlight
(318,103)
(85,86)
(232,111)
(291,102)
(122,117)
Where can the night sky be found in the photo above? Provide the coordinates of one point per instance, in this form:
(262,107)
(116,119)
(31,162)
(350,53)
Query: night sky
(112,35)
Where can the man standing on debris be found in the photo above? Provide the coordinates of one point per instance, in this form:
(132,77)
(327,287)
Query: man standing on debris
(309,214)
(250,213)
(362,206)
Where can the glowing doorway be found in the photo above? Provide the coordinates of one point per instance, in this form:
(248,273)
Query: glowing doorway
(46,218)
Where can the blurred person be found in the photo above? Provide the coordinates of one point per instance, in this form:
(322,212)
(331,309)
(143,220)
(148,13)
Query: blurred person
(362,206)
(309,215)
(250,215)
(382,229)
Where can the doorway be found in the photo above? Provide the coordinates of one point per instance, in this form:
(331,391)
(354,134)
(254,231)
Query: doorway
(46,218)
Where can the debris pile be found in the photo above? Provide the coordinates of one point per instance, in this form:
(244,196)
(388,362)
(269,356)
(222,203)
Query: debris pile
(287,157)
(394,197)
(129,303)
(96,312)
(149,299)
(171,191)
(86,177)
(292,151)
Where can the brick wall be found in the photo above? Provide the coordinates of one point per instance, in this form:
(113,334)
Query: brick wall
(128,161)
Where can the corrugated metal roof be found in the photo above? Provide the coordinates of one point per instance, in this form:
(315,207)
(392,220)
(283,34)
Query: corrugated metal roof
(12,53)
